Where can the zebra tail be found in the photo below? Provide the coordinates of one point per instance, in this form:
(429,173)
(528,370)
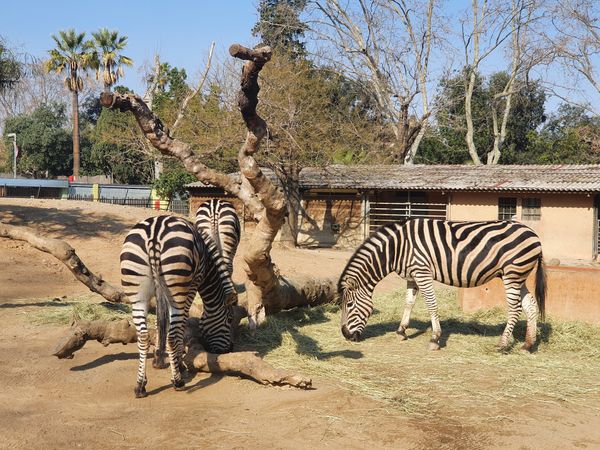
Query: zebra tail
(540,288)
(162,304)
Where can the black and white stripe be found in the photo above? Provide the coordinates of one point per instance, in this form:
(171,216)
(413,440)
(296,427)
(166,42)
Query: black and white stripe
(165,257)
(463,254)
(218,220)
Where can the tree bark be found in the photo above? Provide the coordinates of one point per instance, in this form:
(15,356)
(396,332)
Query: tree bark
(75,107)
(247,364)
(267,292)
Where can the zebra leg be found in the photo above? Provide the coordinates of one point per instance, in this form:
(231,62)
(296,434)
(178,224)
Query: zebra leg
(139,307)
(175,346)
(424,282)
(411,296)
(531,312)
(513,298)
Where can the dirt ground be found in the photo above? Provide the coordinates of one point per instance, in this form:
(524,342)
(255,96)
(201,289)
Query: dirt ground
(88,402)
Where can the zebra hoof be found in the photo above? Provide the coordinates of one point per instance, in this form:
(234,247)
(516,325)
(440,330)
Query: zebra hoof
(434,345)
(140,391)
(178,385)
(401,335)
(502,348)
(526,349)
(160,362)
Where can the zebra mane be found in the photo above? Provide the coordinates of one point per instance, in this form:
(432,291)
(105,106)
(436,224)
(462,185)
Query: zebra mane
(360,247)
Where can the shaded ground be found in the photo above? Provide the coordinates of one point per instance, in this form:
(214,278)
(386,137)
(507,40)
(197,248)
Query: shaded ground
(88,402)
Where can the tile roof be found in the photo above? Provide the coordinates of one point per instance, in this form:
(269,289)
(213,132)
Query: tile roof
(558,178)
(531,178)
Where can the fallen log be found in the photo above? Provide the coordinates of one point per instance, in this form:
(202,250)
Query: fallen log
(246,364)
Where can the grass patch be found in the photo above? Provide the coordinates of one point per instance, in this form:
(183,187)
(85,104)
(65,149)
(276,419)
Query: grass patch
(466,373)
(83,307)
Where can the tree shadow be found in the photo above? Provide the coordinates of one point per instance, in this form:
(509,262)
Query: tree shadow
(202,383)
(42,304)
(75,222)
(270,336)
(105,359)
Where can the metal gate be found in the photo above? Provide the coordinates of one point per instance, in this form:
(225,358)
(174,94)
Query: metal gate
(381,213)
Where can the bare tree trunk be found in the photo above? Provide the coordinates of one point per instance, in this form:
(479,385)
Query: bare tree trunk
(268,292)
(75,107)
(469,136)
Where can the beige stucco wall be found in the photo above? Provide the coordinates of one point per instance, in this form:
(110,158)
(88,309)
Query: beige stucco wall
(566,227)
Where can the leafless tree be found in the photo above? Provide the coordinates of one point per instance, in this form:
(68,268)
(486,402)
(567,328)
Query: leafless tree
(575,38)
(495,25)
(385,46)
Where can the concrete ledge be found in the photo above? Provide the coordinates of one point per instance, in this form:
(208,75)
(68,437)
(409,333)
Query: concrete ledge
(573,294)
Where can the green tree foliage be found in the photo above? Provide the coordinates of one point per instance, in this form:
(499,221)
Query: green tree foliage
(172,181)
(570,136)
(111,61)
(172,89)
(45,145)
(280,27)
(115,147)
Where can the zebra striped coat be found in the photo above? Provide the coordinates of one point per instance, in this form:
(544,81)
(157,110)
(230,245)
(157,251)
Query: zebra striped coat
(165,257)
(218,220)
(463,254)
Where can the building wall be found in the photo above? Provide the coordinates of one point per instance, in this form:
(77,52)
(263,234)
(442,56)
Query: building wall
(566,227)
(573,293)
(331,220)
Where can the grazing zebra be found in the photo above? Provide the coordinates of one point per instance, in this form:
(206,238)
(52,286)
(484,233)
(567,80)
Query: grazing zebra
(463,254)
(166,257)
(219,220)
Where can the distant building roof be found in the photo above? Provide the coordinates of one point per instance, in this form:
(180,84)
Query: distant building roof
(270,174)
(26,182)
(557,178)
(527,178)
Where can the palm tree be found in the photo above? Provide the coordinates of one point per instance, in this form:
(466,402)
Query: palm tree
(74,55)
(109,46)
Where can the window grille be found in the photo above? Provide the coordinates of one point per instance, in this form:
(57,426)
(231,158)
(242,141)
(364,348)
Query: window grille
(507,208)
(532,209)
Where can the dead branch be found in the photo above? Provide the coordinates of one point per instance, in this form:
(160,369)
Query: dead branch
(159,136)
(248,364)
(195,92)
(65,254)
(104,331)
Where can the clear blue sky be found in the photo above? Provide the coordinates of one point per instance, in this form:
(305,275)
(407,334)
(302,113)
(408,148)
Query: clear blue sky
(180,30)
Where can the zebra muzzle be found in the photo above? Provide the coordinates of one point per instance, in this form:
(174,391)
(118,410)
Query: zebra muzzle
(354,337)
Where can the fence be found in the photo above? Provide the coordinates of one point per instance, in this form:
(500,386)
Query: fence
(176,206)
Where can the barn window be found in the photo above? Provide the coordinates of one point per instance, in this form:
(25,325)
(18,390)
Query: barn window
(532,209)
(507,208)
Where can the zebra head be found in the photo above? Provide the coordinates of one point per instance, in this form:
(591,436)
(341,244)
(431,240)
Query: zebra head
(357,306)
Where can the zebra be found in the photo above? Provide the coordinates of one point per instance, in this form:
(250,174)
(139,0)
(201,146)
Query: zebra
(218,220)
(463,254)
(166,257)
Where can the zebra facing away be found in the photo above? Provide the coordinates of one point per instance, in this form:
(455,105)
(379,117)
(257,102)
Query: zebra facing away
(218,219)
(165,257)
(463,254)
